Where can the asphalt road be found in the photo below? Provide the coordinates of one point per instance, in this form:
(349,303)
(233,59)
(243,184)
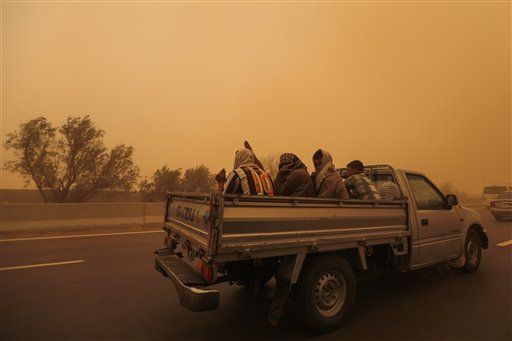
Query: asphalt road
(114,293)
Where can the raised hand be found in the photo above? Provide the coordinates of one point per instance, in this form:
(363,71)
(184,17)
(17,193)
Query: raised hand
(221,176)
(247,145)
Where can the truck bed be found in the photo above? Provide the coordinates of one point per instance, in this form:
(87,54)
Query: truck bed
(228,228)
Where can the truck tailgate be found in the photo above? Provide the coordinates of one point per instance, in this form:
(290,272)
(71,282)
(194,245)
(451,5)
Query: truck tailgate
(187,221)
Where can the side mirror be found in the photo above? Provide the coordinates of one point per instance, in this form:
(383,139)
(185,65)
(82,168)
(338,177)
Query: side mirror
(451,200)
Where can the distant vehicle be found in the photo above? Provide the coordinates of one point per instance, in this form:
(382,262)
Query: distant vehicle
(493,191)
(502,206)
(315,248)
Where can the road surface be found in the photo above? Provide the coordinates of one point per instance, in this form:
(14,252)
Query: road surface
(105,287)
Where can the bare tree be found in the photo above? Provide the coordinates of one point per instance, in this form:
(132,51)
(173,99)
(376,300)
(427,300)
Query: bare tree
(72,165)
(448,188)
(163,180)
(271,164)
(34,149)
(198,179)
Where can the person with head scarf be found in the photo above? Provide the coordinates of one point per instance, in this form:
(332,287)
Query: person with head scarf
(328,181)
(247,178)
(293,178)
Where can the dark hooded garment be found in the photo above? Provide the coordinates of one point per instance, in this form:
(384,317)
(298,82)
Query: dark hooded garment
(293,178)
(328,181)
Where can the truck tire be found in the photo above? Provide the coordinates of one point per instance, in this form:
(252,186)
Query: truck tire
(472,252)
(497,217)
(325,293)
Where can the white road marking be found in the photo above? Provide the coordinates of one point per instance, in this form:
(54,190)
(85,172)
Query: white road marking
(506,243)
(78,236)
(40,265)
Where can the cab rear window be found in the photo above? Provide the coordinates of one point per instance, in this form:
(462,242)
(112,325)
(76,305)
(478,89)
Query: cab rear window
(494,189)
(505,195)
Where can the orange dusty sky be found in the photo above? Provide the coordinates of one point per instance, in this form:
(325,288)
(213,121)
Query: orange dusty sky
(424,86)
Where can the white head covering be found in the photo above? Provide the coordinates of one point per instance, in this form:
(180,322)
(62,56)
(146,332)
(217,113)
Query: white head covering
(244,158)
(326,167)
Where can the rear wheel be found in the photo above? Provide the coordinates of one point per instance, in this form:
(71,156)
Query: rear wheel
(472,252)
(325,294)
(497,217)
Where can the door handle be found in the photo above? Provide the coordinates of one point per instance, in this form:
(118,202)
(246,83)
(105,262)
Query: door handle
(424,222)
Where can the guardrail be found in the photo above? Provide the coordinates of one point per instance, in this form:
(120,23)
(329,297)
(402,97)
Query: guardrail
(34,216)
(31,216)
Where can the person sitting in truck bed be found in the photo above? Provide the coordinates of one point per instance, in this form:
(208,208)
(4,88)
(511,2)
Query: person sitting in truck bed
(358,184)
(247,178)
(328,181)
(293,178)
(388,189)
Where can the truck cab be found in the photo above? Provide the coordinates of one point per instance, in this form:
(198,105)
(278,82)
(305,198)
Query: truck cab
(492,191)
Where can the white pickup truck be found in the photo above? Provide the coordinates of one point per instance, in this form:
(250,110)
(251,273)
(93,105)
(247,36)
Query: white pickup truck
(315,248)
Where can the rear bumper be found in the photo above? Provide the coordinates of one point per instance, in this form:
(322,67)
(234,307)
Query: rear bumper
(190,296)
(502,212)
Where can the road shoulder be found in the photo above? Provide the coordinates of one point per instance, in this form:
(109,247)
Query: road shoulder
(78,230)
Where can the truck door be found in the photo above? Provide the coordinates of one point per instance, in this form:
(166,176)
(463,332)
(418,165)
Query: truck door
(439,227)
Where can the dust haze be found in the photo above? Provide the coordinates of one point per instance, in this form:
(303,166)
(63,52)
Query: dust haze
(424,86)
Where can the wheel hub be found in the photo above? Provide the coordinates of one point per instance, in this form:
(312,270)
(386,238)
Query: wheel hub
(472,251)
(330,293)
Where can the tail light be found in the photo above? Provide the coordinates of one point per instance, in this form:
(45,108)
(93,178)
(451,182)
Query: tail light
(170,243)
(205,269)
(207,272)
(493,203)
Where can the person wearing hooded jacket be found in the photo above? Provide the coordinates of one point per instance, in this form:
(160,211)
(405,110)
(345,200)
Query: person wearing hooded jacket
(328,181)
(293,178)
(248,176)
